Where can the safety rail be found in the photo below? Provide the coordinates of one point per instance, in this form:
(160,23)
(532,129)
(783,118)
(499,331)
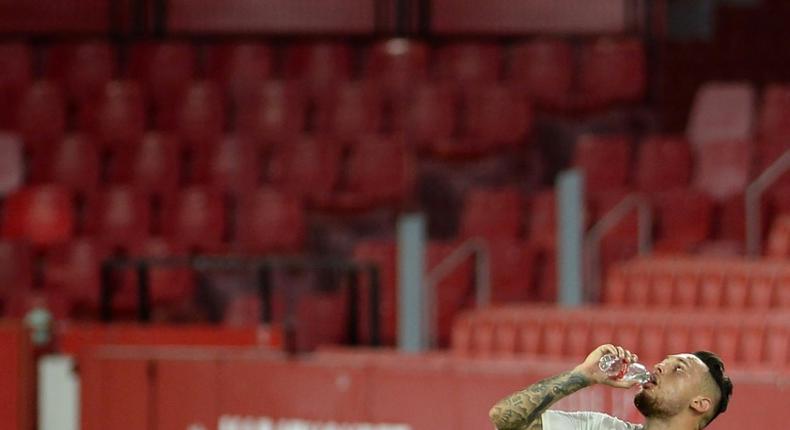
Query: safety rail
(754,193)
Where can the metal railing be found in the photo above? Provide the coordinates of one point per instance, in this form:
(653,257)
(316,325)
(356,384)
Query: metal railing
(592,242)
(754,193)
(474,247)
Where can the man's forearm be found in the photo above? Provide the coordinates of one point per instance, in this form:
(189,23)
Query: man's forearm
(522,410)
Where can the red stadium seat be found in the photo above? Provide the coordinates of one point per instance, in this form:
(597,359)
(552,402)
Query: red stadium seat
(43,215)
(240,67)
(119,119)
(779,239)
(74,270)
(119,217)
(685,219)
(383,254)
(470,63)
(542,227)
(16,268)
(775,113)
(397,65)
(275,112)
(543,69)
(428,115)
(722,112)
(73,162)
(169,285)
(12,164)
(230,166)
(195,219)
(723,168)
(493,214)
(494,113)
(321,65)
(166,69)
(613,71)
(16,72)
(308,168)
(512,263)
(269,221)
(354,109)
(41,119)
(201,114)
(604,159)
(663,163)
(83,68)
(153,167)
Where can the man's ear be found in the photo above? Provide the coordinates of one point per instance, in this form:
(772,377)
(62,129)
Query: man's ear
(701,404)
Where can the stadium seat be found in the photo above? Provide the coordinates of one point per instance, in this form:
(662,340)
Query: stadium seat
(74,270)
(542,224)
(397,65)
(41,119)
(724,168)
(43,215)
(685,219)
(543,69)
(775,113)
(12,163)
(308,168)
(494,113)
(493,214)
(612,71)
(119,217)
(72,162)
(16,268)
(230,166)
(270,221)
(169,285)
(428,115)
(383,254)
(722,112)
(512,263)
(240,67)
(605,161)
(165,69)
(82,68)
(153,167)
(275,112)
(119,119)
(353,110)
(663,163)
(201,114)
(779,238)
(470,63)
(16,73)
(195,219)
(320,65)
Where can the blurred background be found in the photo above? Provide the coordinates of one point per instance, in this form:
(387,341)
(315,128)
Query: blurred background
(278,214)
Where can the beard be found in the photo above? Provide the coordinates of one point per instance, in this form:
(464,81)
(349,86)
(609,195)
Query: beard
(650,406)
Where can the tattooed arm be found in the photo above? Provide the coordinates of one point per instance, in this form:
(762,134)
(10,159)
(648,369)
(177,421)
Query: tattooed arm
(524,409)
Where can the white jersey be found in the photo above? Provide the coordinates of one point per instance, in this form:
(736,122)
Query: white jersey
(559,420)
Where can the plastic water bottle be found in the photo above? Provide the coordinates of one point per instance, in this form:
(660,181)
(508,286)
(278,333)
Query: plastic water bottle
(617,368)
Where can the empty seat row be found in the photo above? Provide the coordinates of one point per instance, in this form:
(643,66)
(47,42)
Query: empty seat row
(743,339)
(692,282)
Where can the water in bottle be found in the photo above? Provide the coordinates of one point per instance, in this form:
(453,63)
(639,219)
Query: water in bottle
(619,369)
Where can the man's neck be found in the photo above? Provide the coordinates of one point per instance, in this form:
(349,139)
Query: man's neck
(673,423)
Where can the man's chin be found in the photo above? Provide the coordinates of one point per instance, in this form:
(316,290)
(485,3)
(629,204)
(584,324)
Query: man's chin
(645,403)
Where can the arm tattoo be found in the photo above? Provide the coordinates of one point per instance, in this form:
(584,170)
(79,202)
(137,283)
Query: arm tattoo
(523,410)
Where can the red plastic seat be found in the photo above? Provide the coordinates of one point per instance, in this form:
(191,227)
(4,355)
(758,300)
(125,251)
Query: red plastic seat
(470,63)
(663,163)
(605,161)
(542,226)
(722,112)
(169,285)
(16,72)
(72,162)
(119,119)
(397,64)
(543,69)
(493,214)
(16,268)
(82,68)
(512,263)
(74,270)
(201,114)
(269,221)
(230,166)
(354,109)
(308,168)
(429,114)
(12,164)
(153,167)
(775,113)
(723,168)
(240,67)
(383,255)
(613,71)
(119,217)
(41,118)
(195,219)
(779,239)
(43,215)
(165,69)
(685,219)
(494,113)
(275,112)
(321,65)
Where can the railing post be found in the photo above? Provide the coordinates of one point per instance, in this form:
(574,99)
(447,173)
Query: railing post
(106,291)
(265,292)
(352,327)
(144,292)
(375,314)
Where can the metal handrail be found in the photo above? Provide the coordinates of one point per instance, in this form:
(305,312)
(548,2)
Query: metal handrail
(754,193)
(472,247)
(609,221)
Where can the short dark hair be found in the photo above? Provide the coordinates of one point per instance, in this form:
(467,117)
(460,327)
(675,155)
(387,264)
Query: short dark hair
(716,368)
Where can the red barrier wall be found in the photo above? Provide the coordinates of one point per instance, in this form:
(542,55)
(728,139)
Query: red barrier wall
(56,16)
(16,377)
(427,393)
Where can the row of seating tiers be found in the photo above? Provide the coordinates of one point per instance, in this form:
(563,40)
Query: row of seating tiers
(760,340)
(699,283)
